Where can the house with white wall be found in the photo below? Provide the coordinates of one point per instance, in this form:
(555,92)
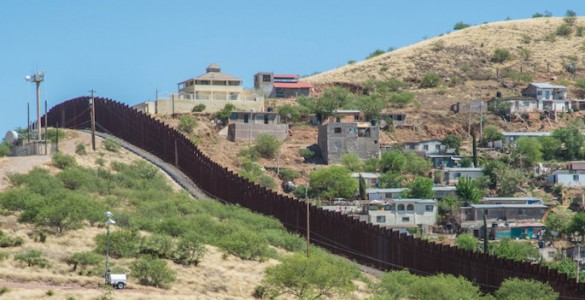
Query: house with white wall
(550,97)
(568,178)
(450,176)
(401,213)
(427,147)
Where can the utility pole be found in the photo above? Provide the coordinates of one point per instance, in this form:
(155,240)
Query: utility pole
(28,121)
(578,260)
(308,224)
(480,120)
(46,127)
(469,121)
(92,120)
(485,234)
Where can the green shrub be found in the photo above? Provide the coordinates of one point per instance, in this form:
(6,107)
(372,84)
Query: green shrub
(198,108)
(123,243)
(579,30)
(158,245)
(8,241)
(4,149)
(525,289)
(3,256)
(267,145)
(111,145)
(152,271)
(246,244)
(501,55)
(287,241)
(401,100)
(190,250)
(52,135)
(225,112)
(80,149)
(564,30)
(430,80)
(4,290)
(460,25)
(376,52)
(187,123)
(84,259)
(306,153)
(351,62)
(287,174)
(63,161)
(250,153)
(50,293)
(100,161)
(32,258)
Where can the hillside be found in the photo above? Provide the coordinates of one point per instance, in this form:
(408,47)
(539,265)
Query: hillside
(467,54)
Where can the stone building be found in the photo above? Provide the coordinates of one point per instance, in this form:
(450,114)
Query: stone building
(246,125)
(337,139)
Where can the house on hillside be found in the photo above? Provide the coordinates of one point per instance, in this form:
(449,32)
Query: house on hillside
(337,139)
(550,97)
(568,178)
(509,138)
(514,104)
(426,147)
(446,160)
(450,176)
(403,213)
(246,125)
(385,194)
(281,85)
(214,89)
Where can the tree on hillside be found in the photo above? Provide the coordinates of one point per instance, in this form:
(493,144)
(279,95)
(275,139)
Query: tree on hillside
(577,224)
(525,289)
(352,162)
(376,52)
(310,277)
(332,99)
(557,223)
(572,141)
(467,190)
(267,145)
(501,55)
(528,152)
(421,188)
(550,147)
(371,106)
(452,141)
(516,250)
(332,182)
(460,25)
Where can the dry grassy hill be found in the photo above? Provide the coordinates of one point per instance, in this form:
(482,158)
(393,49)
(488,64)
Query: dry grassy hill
(467,54)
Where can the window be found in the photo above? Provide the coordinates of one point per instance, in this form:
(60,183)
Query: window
(405,219)
(410,207)
(380,219)
(429,208)
(356,117)
(426,147)
(337,130)
(266,78)
(246,118)
(521,212)
(457,175)
(233,96)
(575,177)
(401,207)
(265,119)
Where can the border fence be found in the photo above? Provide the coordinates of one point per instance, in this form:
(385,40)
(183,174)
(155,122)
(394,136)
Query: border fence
(367,244)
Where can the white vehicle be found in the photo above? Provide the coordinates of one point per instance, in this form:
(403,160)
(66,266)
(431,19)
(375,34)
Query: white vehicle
(118,281)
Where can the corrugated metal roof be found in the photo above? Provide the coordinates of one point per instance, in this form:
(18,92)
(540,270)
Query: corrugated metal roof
(538,133)
(394,190)
(508,206)
(546,85)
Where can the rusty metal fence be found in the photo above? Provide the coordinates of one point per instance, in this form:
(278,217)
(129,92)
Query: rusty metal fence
(365,243)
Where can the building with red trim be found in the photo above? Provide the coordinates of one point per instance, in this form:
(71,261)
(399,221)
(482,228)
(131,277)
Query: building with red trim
(281,85)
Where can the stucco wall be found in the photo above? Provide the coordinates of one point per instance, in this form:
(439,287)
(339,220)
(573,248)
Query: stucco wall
(249,131)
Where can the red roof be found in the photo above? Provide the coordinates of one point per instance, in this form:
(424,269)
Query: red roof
(287,76)
(293,85)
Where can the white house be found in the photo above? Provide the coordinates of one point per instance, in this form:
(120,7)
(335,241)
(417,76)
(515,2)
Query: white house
(511,200)
(426,147)
(395,193)
(450,176)
(550,97)
(510,138)
(402,213)
(569,178)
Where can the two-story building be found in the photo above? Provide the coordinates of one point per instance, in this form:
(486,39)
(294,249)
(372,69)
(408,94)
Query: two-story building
(550,97)
(337,139)
(246,125)
(214,89)
(281,85)
(385,194)
(402,213)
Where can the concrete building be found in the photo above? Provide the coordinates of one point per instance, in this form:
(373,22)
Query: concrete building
(508,212)
(214,89)
(425,147)
(337,139)
(510,138)
(396,193)
(550,97)
(247,125)
(281,85)
(450,176)
(568,178)
(401,213)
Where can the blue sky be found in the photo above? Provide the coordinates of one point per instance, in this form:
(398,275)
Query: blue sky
(127,49)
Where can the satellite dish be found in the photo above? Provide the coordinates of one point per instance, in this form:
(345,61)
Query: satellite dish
(11,137)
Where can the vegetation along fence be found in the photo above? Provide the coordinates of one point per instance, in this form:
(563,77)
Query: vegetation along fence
(365,243)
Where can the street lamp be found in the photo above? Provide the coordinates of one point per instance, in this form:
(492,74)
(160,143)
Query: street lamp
(37,78)
(109,221)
